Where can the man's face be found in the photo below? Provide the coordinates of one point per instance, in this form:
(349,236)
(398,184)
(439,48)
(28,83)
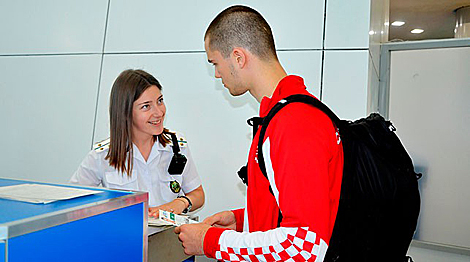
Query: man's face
(225,69)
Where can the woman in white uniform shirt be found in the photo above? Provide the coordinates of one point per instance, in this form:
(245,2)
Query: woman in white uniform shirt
(138,153)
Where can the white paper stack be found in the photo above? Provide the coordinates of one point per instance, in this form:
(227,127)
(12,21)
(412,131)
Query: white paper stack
(42,194)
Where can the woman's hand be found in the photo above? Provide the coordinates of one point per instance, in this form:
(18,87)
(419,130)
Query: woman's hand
(179,204)
(176,206)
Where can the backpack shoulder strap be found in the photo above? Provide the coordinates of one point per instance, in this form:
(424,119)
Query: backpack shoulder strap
(265,122)
(281,104)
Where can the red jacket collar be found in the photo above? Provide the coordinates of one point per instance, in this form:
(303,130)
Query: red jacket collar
(289,85)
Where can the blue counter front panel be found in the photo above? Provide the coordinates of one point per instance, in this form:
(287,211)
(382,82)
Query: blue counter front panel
(2,251)
(107,226)
(85,239)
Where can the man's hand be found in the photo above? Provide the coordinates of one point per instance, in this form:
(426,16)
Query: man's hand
(225,219)
(192,237)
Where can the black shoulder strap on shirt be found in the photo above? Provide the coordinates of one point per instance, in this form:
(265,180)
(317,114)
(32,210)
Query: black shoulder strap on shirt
(176,147)
(178,161)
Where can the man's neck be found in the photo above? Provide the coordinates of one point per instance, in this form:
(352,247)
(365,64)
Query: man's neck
(266,80)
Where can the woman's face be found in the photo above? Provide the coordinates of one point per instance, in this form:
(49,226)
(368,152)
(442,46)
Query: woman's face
(148,112)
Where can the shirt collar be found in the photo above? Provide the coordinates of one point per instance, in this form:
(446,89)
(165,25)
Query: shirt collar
(160,147)
(156,148)
(289,85)
(136,153)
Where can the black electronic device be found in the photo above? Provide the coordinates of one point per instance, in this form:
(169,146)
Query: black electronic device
(178,161)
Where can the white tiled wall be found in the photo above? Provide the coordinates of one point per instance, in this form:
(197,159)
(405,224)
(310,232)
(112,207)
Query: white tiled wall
(306,64)
(149,26)
(47,113)
(345,83)
(347,24)
(51,26)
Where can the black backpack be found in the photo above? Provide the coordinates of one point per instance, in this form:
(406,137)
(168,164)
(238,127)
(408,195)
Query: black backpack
(379,202)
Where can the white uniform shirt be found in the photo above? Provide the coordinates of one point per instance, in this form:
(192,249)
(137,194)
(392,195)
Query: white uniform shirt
(149,176)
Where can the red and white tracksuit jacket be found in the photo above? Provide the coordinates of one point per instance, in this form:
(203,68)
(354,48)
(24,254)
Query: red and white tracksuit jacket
(304,162)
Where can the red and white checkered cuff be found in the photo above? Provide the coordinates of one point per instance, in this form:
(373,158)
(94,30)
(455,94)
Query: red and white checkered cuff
(299,244)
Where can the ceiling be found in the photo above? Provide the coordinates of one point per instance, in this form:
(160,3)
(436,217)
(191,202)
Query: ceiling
(436,17)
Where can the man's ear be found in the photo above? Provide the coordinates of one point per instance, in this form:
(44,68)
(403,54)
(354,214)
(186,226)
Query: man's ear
(239,56)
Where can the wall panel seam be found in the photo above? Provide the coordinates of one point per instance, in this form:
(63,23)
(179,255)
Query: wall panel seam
(323,51)
(100,75)
(57,54)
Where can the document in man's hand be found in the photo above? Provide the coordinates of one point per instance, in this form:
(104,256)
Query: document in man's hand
(42,194)
(167,218)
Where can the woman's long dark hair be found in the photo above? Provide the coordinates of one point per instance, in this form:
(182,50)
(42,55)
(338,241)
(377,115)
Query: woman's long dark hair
(127,88)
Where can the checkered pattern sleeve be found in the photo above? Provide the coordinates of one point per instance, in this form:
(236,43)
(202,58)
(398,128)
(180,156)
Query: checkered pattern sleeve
(280,244)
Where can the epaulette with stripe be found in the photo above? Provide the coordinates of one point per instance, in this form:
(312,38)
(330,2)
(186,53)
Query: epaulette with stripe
(181,140)
(102,145)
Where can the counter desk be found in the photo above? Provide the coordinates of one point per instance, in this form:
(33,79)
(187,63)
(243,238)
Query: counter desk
(163,245)
(107,226)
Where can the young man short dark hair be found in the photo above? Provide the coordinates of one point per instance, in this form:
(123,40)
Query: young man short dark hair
(302,152)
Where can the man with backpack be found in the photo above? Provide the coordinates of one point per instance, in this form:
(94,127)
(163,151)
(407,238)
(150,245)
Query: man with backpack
(292,203)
